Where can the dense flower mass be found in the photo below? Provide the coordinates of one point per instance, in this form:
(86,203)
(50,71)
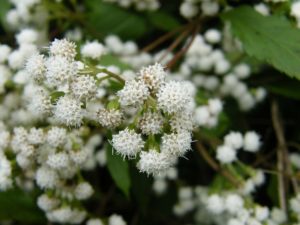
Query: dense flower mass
(116,112)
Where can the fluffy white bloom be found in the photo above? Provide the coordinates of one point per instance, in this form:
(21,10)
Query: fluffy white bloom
(63,48)
(261,213)
(27,36)
(215,106)
(47,203)
(233,203)
(68,111)
(56,136)
(115,219)
(79,157)
(61,215)
(16,59)
(35,67)
(295,159)
(127,143)
(262,9)
(234,140)
(188,10)
(226,154)
(83,191)
(172,97)
(40,103)
(176,143)
(202,115)
(183,120)
(213,36)
(93,50)
(60,70)
(210,8)
(151,123)
(295,9)
(101,157)
(4,140)
(94,222)
(110,118)
(134,93)
(36,136)
(153,76)
(154,162)
(4,52)
(160,186)
(242,70)
(251,141)
(215,204)
(278,215)
(58,160)
(259,178)
(46,177)
(83,87)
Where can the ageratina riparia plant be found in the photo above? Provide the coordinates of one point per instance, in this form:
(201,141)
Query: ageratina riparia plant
(146,112)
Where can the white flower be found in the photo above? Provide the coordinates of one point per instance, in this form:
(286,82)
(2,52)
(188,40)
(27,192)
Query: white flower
(93,50)
(110,118)
(153,162)
(213,36)
(234,140)
(35,67)
(215,204)
(27,36)
(234,203)
(84,87)
(115,219)
(4,140)
(215,106)
(278,215)
(63,48)
(46,177)
(261,213)
(60,70)
(151,123)
(134,93)
(36,136)
(226,154)
(295,9)
(251,141)
(153,76)
(57,137)
(160,186)
(40,103)
(47,203)
(94,222)
(4,52)
(183,120)
(176,143)
(61,215)
(79,157)
(188,10)
(242,70)
(68,111)
(202,115)
(127,143)
(172,97)
(58,160)
(83,191)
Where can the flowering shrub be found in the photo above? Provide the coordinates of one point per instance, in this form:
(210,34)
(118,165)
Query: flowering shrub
(116,112)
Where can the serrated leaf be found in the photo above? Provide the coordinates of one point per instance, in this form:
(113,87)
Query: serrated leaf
(268,38)
(119,170)
(107,18)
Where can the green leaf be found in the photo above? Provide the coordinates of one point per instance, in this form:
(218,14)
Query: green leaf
(4,7)
(268,38)
(56,95)
(119,170)
(288,89)
(20,206)
(163,20)
(107,18)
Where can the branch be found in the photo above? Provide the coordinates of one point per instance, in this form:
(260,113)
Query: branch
(214,165)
